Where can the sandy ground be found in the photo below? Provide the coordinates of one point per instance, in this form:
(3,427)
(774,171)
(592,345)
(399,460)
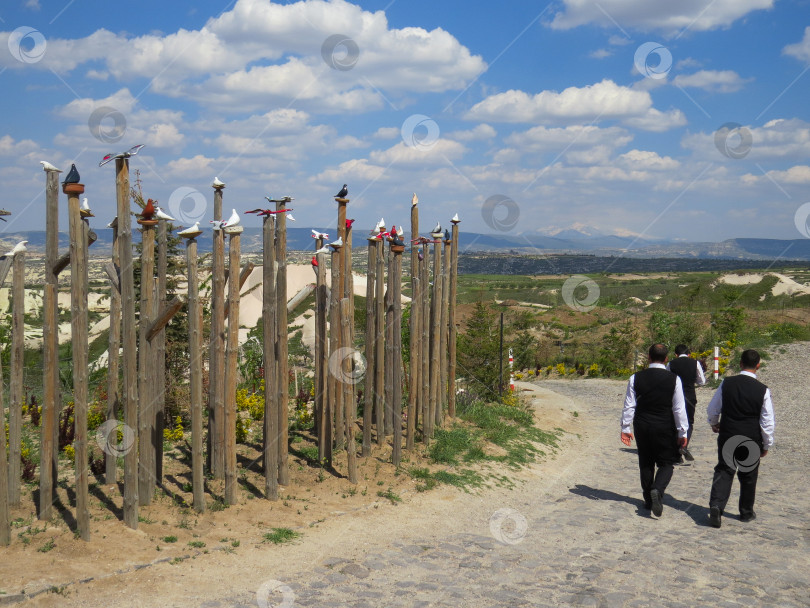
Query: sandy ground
(140,567)
(786,285)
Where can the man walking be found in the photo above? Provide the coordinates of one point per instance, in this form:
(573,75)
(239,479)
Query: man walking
(741,412)
(691,373)
(655,407)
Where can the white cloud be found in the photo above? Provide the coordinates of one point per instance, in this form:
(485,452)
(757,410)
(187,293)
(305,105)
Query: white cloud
(616,40)
(776,139)
(647,159)
(440,151)
(719,81)
(32,4)
(387,133)
(798,174)
(599,54)
(800,50)
(10,147)
(480,132)
(542,139)
(696,15)
(657,121)
(604,99)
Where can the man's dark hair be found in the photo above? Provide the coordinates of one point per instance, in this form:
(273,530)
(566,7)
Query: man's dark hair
(681,349)
(749,359)
(658,353)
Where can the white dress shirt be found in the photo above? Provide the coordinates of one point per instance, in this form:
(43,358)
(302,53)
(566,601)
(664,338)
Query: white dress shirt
(678,405)
(701,378)
(766,417)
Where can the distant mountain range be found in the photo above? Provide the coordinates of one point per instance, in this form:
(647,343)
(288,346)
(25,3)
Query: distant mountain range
(577,239)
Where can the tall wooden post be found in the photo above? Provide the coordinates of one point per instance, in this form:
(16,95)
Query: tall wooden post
(216,348)
(5,526)
(414,367)
(369,387)
(379,343)
(443,333)
(113,357)
(16,380)
(49,444)
(435,331)
(334,393)
(346,310)
(159,348)
(231,356)
(269,332)
(453,331)
(78,338)
(146,381)
(396,322)
(390,361)
(282,372)
(350,394)
(195,375)
(340,270)
(129,341)
(322,403)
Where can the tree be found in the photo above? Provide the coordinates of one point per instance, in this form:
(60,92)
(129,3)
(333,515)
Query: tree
(479,351)
(619,348)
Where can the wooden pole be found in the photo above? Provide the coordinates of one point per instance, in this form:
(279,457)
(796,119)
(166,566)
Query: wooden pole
(78,338)
(443,333)
(348,292)
(146,380)
(269,332)
(415,366)
(50,345)
(216,395)
(160,350)
(322,406)
(195,373)
(16,396)
(424,341)
(379,343)
(369,388)
(340,270)
(231,356)
(396,347)
(347,382)
(129,341)
(5,525)
(453,330)
(435,334)
(388,349)
(64,260)
(282,373)
(333,391)
(113,357)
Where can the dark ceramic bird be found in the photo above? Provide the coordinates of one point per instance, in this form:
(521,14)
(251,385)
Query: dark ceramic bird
(72,176)
(349,224)
(446,234)
(343,192)
(113,155)
(148,212)
(397,240)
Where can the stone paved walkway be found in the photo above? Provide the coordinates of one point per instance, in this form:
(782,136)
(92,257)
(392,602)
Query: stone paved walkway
(580,537)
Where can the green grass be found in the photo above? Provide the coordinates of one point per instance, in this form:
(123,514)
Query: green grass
(390,495)
(197,544)
(169,539)
(279,536)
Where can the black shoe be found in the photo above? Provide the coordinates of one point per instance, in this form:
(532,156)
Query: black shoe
(648,504)
(687,454)
(750,517)
(714,517)
(657,507)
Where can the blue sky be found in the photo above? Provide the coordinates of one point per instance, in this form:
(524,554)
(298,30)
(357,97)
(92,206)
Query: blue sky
(604,114)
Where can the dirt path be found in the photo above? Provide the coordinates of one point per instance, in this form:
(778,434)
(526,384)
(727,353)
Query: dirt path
(573,533)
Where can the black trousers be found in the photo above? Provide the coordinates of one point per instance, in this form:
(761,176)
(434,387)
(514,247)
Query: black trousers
(690,416)
(724,478)
(657,447)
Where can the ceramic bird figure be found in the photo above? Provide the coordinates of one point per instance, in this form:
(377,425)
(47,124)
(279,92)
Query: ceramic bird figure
(349,224)
(455,219)
(420,255)
(18,248)
(113,155)
(319,235)
(148,212)
(84,210)
(446,234)
(397,240)
(217,225)
(438,229)
(314,261)
(46,166)
(324,249)
(233,220)
(191,230)
(72,176)
(218,183)
(381,223)
(162,215)
(290,217)
(414,200)
(338,243)
(343,192)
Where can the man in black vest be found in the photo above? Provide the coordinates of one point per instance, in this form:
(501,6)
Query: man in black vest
(655,407)
(741,412)
(691,373)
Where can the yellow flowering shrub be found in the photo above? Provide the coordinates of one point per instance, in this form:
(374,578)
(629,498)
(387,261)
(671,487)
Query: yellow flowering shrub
(175,434)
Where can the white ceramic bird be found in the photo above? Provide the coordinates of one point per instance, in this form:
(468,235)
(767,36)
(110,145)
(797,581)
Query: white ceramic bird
(381,224)
(233,220)
(218,183)
(290,217)
(217,224)
(401,231)
(191,230)
(46,166)
(18,248)
(324,249)
(455,219)
(337,243)
(414,199)
(162,215)
(319,235)
(84,210)
(438,228)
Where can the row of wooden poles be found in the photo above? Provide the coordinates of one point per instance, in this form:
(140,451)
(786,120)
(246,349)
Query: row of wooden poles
(141,395)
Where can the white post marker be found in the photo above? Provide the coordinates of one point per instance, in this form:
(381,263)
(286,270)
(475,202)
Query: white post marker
(511,375)
(716,362)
